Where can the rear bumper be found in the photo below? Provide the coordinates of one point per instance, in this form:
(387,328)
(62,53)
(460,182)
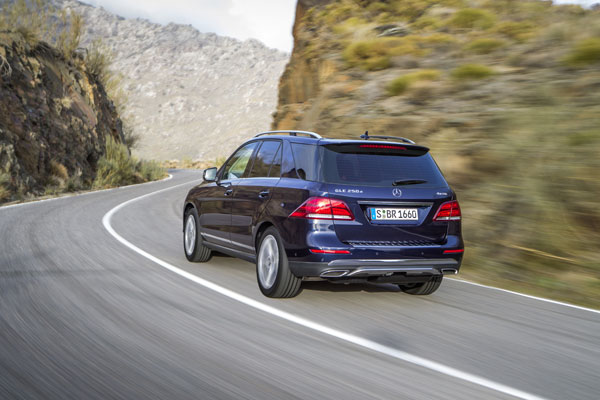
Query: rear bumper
(389,270)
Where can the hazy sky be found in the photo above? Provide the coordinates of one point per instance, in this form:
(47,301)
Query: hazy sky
(269,21)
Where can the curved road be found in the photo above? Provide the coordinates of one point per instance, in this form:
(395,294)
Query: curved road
(85,316)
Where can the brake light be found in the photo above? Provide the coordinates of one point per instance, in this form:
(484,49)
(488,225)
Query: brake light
(323,208)
(455,251)
(382,146)
(323,251)
(448,211)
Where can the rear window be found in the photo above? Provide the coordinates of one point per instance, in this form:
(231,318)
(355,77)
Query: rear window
(355,164)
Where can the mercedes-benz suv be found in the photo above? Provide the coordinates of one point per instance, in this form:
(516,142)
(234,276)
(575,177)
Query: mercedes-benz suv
(302,207)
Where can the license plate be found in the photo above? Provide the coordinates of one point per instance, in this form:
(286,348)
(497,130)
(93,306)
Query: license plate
(394,214)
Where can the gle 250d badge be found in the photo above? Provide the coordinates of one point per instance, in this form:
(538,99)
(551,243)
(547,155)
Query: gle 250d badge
(397,192)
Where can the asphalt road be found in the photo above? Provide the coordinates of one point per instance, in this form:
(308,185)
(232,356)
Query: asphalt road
(82,316)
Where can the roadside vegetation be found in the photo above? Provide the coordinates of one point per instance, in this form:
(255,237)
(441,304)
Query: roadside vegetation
(505,93)
(118,168)
(41,21)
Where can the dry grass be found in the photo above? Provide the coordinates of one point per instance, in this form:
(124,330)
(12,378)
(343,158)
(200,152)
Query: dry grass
(39,20)
(584,52)
(4,182)
(402,83)
(471,72)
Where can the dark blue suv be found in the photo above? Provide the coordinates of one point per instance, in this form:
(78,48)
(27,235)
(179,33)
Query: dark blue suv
(303,207)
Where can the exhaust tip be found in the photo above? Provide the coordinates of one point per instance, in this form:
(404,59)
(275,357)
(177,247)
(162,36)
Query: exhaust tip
(334,273)
(449,271)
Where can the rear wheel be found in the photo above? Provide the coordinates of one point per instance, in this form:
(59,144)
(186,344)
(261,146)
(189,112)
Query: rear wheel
(275,279)
(195,250)
(423,288)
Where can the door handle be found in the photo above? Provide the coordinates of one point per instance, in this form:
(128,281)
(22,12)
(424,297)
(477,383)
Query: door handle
(228,192)
(263,194)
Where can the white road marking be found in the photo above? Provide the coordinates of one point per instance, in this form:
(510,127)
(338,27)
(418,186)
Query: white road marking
(356,340)
(526,295)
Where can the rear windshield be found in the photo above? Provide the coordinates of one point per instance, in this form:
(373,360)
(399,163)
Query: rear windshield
(360,165)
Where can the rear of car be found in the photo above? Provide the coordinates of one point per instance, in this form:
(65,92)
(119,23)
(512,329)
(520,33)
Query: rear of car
(345,211)
(377,212)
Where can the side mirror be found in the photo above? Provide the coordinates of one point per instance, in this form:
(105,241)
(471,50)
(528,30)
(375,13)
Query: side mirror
(210,174)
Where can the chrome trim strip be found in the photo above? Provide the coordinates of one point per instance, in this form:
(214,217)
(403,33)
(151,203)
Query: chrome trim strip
(383,271)
(215,237)
(227,241)
(395,203)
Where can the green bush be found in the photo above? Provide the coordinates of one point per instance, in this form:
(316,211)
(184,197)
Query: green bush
(472,18)
(585,52)
(485,45)
(402,83)
(118,168)
(471,71)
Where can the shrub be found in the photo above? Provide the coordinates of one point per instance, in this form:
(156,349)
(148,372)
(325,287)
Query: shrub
(375,54)
(585,52)
(98,59)
(472,18)
(402,83)
(118,168)
(485,46)
(151,170)
(519,31)
(471,71)
(398,85)
(59,171)
(4,181)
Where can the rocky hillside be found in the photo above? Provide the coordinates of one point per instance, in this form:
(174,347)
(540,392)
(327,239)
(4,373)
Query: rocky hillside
(189,94)
(506,94)
(54,119)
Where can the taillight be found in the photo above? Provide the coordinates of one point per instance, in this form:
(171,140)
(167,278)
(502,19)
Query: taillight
(454,251)
(323,208)
(326,251)
(448,211)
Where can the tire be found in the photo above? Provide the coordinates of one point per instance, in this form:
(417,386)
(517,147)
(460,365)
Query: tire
(194,249)
(274,277)
(422,289)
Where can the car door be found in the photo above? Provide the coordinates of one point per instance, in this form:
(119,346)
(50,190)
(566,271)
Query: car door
(215,209)
(252,193)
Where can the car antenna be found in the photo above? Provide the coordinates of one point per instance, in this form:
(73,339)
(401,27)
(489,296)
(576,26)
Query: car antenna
(365,136)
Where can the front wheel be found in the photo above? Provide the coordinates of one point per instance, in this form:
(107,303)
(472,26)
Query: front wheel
(275,279)
(424,288)
(195,250)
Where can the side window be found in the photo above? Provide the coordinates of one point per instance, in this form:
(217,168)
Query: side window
(264,158)
(288,168)
(307,162)
(275,171)
(236,166)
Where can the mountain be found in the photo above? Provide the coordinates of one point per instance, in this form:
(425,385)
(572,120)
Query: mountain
(507,96)
(54,119)
(189,94)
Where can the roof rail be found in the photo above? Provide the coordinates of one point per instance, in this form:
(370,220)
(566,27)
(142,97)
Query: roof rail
(367,137)
(291,133)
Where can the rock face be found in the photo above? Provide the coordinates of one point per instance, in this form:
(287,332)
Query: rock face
(54,117)
(190,94)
